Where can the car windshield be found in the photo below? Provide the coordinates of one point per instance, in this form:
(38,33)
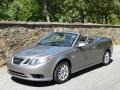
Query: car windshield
(59,39)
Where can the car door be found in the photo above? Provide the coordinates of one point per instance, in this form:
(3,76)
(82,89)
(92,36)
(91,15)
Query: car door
(90,53)
(85,55)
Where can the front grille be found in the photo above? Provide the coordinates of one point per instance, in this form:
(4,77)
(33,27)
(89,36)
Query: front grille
(17,60)
(17,73)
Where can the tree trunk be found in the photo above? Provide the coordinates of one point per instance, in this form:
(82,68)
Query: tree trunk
(46,11)
(106,19)
(82,17)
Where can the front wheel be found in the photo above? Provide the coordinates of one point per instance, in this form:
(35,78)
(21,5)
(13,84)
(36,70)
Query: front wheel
(62,72)
(106,58)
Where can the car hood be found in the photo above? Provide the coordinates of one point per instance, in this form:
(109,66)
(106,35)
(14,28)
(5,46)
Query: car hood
(41,50)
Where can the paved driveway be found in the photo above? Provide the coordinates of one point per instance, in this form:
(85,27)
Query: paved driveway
(95,78)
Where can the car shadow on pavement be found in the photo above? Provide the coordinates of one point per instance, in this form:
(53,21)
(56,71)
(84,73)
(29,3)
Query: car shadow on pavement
(33,83)
(50,83)
(87,70)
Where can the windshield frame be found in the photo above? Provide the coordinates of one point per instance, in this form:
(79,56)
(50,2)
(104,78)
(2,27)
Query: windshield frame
(47,36)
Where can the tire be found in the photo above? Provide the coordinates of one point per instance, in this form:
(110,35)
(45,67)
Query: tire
(62,72)
(106,58)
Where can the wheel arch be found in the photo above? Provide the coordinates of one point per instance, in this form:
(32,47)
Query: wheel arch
(64,59)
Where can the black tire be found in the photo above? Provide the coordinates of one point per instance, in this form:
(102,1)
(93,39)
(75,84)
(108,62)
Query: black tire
(106,58)
(56,75)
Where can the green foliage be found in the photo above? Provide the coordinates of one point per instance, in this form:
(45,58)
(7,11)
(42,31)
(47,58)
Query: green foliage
(73,11)
(90,11)
(3,9)
(14,10)
(29,11)
(24,10)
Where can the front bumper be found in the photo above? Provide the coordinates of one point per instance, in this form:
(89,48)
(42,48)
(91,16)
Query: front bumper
(33,73)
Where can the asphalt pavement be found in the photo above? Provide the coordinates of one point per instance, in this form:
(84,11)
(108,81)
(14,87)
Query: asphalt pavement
(94,78)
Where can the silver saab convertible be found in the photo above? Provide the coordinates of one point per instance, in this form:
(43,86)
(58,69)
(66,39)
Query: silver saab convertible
(58,55)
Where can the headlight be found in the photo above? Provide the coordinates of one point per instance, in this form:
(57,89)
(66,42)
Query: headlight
(36,61)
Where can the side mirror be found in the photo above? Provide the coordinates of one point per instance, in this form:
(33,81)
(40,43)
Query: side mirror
(81,44)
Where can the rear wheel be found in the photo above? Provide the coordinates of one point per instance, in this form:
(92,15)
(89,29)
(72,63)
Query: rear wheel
(106,58)
(62,72)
